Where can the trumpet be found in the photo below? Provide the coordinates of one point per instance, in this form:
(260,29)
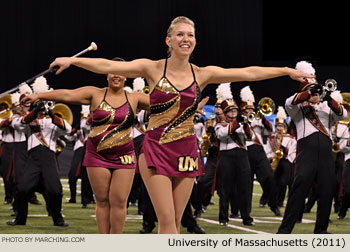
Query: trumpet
(48,105)
(250,117)
(266,107)
(330,86)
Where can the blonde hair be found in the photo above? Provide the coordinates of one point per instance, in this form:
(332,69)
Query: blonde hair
(178,20)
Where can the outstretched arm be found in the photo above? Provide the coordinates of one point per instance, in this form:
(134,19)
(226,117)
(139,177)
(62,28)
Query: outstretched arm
(214,74)
(76,96)
(131,69)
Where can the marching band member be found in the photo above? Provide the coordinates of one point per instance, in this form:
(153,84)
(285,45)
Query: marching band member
(344,146)
(45,128)
(313,119)
(205,182)
(259,164)
(234,167)
(79,136)
(281,150)
(7,157)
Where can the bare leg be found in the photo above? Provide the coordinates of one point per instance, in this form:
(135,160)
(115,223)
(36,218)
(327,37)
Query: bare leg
(100,179)
(169,199)
(182,188)
(118,195)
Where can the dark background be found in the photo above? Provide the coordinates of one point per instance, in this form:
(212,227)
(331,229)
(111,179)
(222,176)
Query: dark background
(230,33)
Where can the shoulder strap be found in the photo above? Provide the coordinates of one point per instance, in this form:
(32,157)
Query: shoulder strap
(194,76)
(165,65)
(104,97)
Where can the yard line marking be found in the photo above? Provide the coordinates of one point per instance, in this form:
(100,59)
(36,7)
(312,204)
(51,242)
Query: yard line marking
(234,226)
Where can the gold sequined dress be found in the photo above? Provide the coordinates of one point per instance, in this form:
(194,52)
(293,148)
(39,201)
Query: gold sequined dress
(110,143)
(170,144)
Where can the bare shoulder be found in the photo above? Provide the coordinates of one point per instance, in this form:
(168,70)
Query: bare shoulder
(203,74)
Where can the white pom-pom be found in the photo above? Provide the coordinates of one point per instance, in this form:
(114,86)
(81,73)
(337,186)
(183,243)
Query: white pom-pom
(224,91)
(305,67)
(281,113)
(40,85)
(25,89)
(336,95)
(85,109)
(138,84)
(15,97)
(247,95)
(128,89)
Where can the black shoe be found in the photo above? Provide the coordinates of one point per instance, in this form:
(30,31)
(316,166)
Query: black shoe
(223,223)
(85,206)
(299,221)
(147,229)
(61,223)
(14,213)
(7,202)
(14,223)
(249,223)
(197,214)
(340,217)
(71,201)
(196,229)
(34,201)
(276,211)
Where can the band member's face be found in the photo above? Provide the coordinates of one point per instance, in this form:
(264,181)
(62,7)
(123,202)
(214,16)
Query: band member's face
(218,111)
(280,129)
(116,81)
(247,110)
(231,114)
(314,99)
(41,115)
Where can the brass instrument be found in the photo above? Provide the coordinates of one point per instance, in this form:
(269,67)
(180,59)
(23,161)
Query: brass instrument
(266,107)
(346,104)
(48,105)
(250,117)
(146,90)
(205,145)
(278,155)
(63,111)
(6,107)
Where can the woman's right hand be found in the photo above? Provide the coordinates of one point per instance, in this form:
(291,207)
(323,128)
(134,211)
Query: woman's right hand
(61,64)
(28,99)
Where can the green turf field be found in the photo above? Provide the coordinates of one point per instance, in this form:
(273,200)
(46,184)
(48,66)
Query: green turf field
(82,221)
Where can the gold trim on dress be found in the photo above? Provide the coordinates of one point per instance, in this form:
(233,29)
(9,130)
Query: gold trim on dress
(164,86)
(119,138)
(157,120)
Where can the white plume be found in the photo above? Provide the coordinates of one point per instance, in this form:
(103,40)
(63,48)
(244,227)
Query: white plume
(224,91)
(138,84)
(15,97)
(305,67)
(336,95)
(25,89)
(40,85)
(128,89)
(247,94)
(85,109)
(281,113)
